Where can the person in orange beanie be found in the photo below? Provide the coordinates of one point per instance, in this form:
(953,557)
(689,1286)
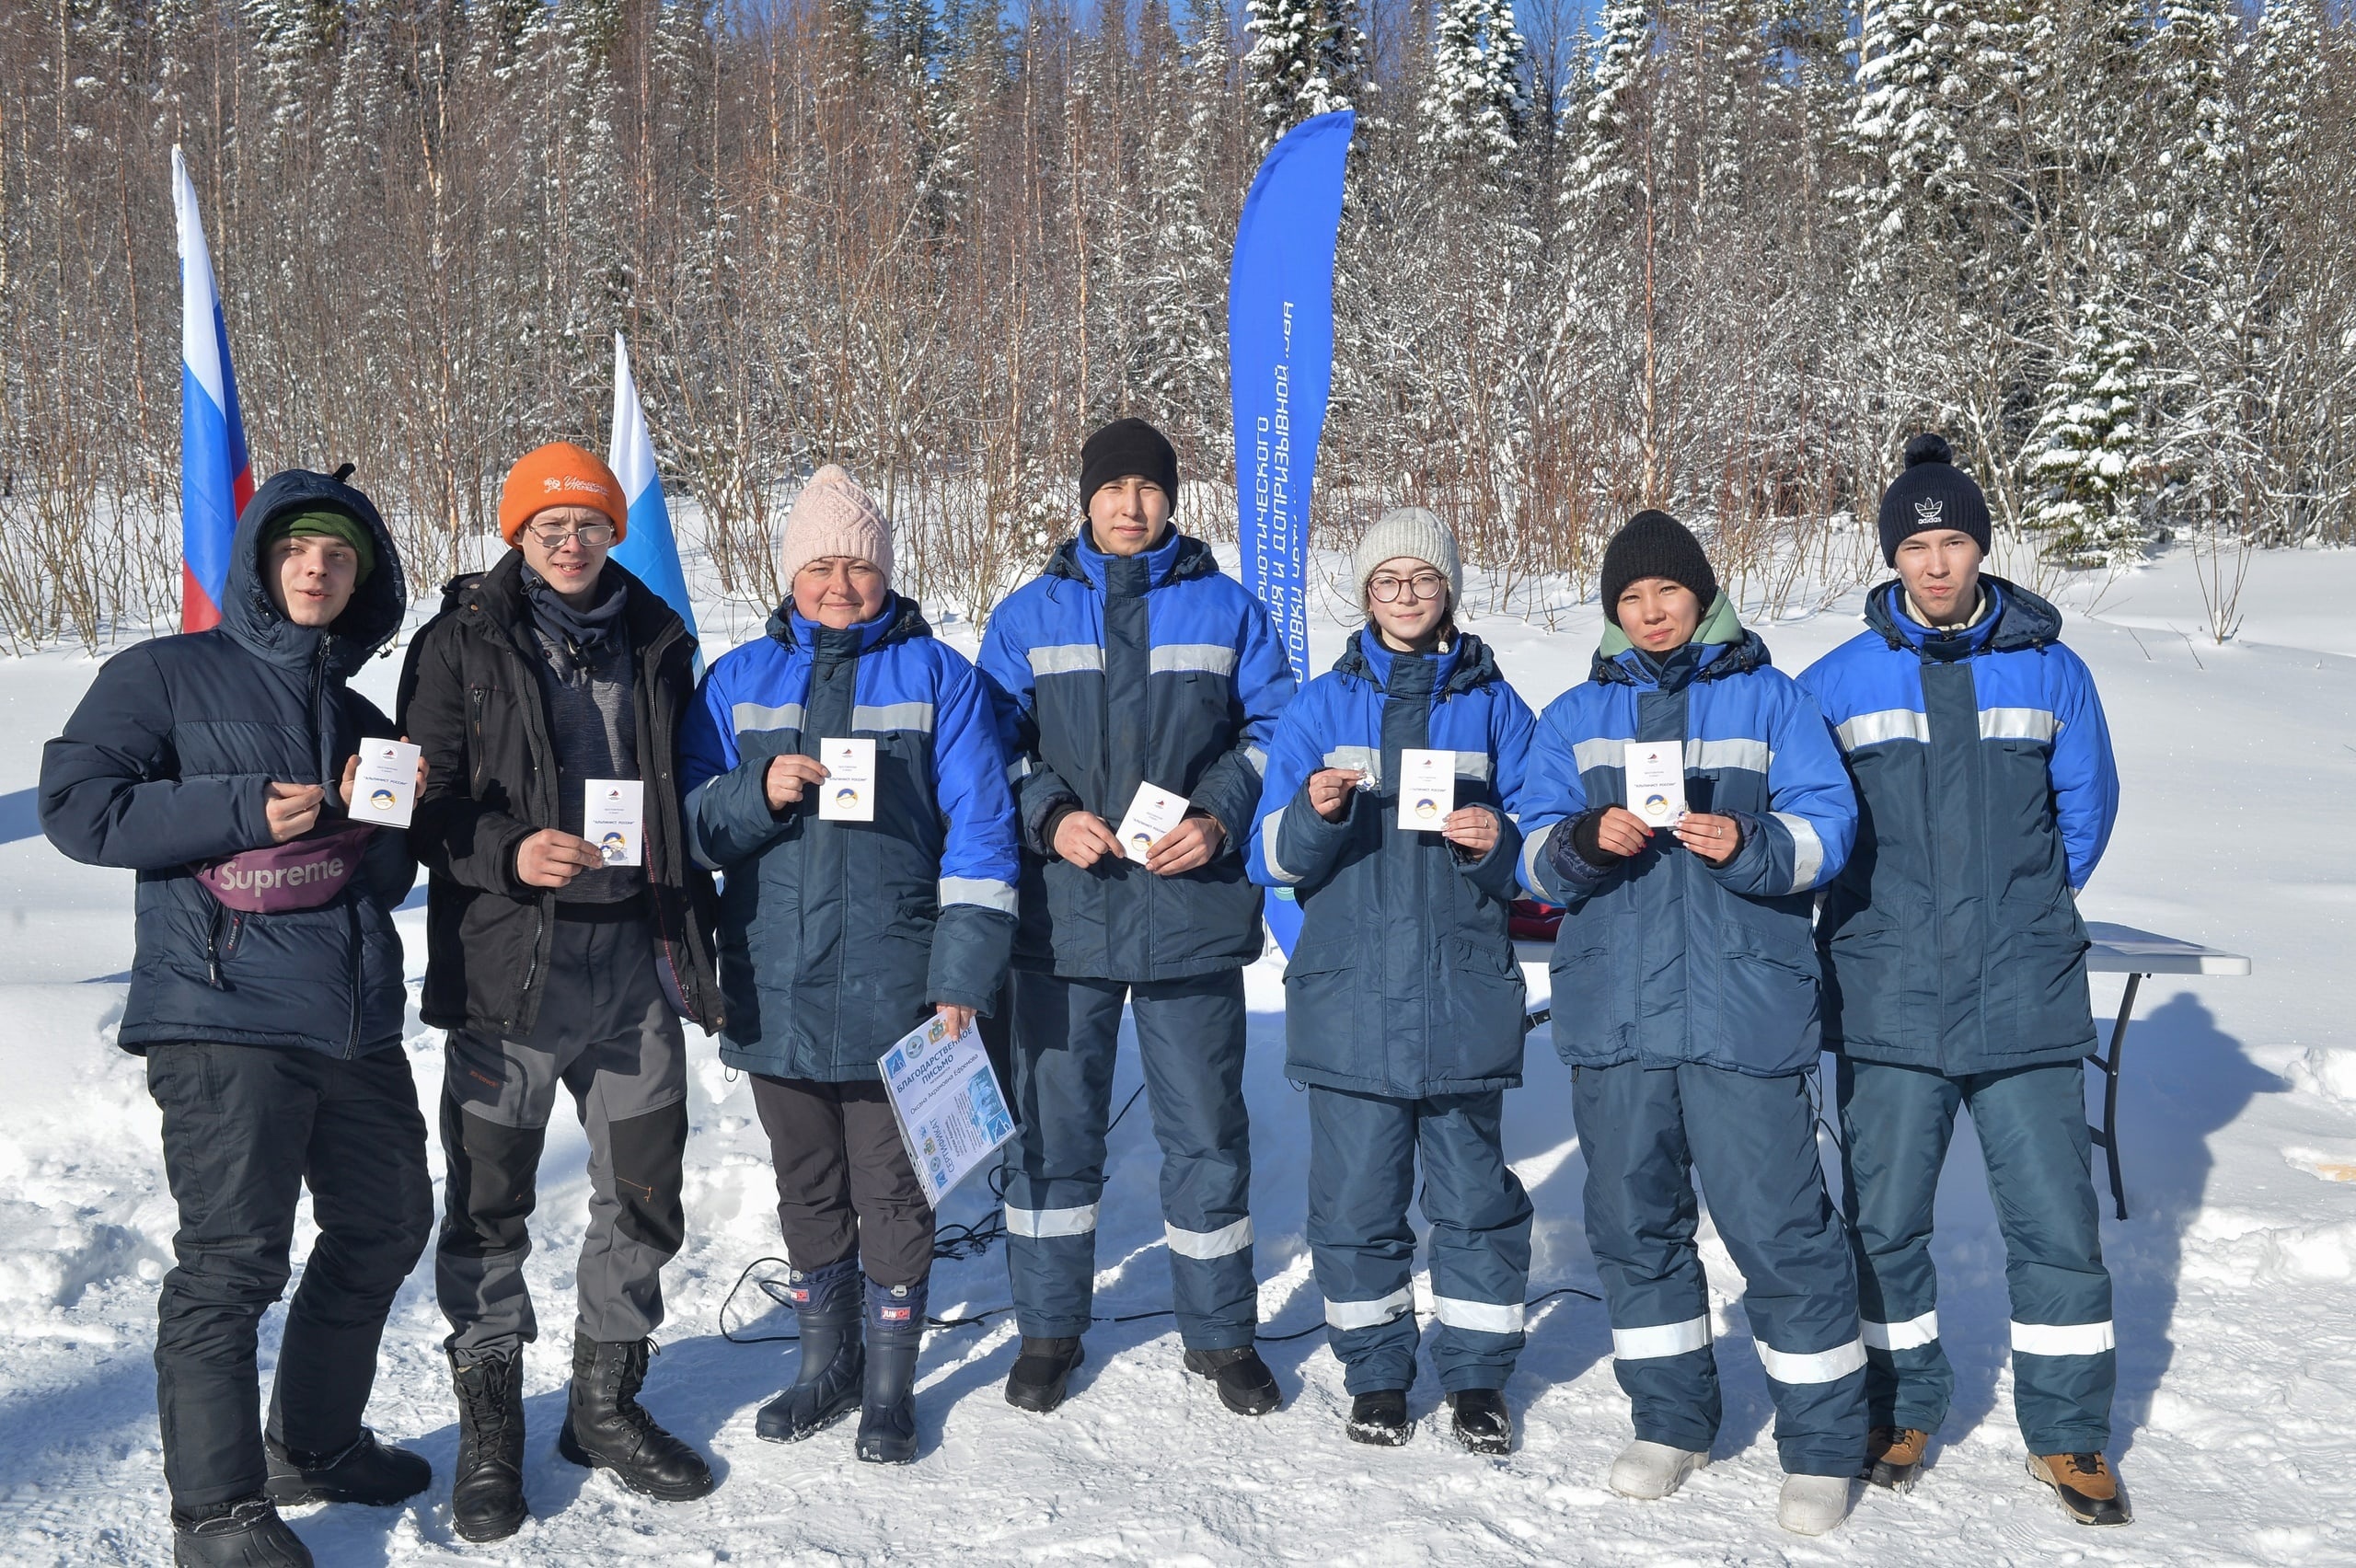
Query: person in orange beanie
(558,962)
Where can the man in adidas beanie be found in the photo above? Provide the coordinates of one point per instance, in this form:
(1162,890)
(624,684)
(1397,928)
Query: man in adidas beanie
(1955,976)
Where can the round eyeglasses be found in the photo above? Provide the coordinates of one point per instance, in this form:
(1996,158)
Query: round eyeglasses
(1422,586)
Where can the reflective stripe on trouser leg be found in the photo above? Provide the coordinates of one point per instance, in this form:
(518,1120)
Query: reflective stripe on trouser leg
(1480,1239)
(1895,1126)
(1190,1043)
(1641,1218)
(2032,1128)
(1754,1145)
(1066,1034)
(1361,1175)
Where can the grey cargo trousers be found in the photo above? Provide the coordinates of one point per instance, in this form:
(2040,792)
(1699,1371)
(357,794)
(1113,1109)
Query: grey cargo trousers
(607,1033)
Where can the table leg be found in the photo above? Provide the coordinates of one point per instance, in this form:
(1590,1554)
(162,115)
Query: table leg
(2106,1135)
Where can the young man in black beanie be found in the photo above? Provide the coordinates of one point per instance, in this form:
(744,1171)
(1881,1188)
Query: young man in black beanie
(1685,1003)
(1134,661)
(1955,975)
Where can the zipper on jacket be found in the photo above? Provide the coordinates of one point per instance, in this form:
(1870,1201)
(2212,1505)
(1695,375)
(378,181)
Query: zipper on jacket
(351,916)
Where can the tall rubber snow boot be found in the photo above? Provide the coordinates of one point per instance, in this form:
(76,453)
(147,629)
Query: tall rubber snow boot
(834,1362)
(247,1533)
(487,1491)
(887,1414)
(606,1428)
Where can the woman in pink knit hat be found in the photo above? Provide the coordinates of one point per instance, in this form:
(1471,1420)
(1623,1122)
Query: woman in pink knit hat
(837,936)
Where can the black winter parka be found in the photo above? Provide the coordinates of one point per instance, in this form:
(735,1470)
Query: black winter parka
(165,767)
(470,698)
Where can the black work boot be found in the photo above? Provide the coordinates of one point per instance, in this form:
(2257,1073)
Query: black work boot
(1245,1384)
(363,1470)
(487,1492)
(827,1306)
(1036,1383)
(1379,1417)
(1482,1422)
(606,1428)
(247,1533)
(887,1410)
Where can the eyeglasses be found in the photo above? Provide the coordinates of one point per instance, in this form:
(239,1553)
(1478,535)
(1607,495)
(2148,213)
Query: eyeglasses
(1422,586)
(593,536)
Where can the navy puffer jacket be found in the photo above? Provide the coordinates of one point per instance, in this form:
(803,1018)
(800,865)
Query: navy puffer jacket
(163,767)
(1402,982)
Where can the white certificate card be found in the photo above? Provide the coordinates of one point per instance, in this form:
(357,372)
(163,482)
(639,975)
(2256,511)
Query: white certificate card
(384,789)
(1656,781)
(1152,813)
(1426,789)
(848,793)
(613,818)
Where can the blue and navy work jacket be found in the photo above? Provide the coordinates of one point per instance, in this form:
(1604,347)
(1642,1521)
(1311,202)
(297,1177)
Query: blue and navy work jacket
(1402,982)
(1110,671)
(837,937)
(1662,958)
(1983,768)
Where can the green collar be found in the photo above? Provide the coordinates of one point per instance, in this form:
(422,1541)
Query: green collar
(1720,625)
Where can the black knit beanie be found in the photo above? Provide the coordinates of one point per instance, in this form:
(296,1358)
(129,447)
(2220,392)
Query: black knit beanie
(1125,447)
(1932,493)
(1654,544)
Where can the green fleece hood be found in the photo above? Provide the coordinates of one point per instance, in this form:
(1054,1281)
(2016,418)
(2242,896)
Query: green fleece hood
(1720,624)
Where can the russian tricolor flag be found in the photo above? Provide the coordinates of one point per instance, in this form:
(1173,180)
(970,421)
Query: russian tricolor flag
(216,478)
(647,550)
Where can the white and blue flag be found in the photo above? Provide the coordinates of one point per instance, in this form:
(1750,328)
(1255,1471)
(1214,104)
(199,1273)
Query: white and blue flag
(648,549)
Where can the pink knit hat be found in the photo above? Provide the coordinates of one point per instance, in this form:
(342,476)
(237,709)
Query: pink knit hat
(833,516)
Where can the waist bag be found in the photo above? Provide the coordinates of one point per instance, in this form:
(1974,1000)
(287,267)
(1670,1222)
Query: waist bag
(302,874)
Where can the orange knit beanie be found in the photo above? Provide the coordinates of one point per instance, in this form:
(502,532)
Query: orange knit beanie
(560,474)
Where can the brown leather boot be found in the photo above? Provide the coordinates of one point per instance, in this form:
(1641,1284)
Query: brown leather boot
(2087,1484)
(1894,1456)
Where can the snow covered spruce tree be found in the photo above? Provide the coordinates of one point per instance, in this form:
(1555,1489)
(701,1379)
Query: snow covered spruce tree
(2089,455)
(1307,58)
(1476,101)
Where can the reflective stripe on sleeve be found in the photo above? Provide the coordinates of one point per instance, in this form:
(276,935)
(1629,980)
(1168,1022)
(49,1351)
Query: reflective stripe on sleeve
(1209,658)
(2062,1339)
(1270,826)
(1817,1367)
(1066,658)
(1018,770)
(1480,1317)
(2018,724)
(1661,1339)
(1533,849)
(987,891)
(1474,765)
(1887,724)
(893,716)
(1348,1315)
(1039,1225)
(1808,850)
(1911,1334)
(751,717)
(1223,1242)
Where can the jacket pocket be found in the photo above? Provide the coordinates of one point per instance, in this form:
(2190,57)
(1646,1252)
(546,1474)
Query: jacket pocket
(1490,1002)
(1769,1008)
(1322,1023)
(1593,1012)
(2041,967)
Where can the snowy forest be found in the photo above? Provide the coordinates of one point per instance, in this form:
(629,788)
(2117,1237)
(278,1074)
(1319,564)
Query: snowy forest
(1719,256)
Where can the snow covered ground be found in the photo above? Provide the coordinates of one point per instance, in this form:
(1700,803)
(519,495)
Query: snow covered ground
(2237,1408)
